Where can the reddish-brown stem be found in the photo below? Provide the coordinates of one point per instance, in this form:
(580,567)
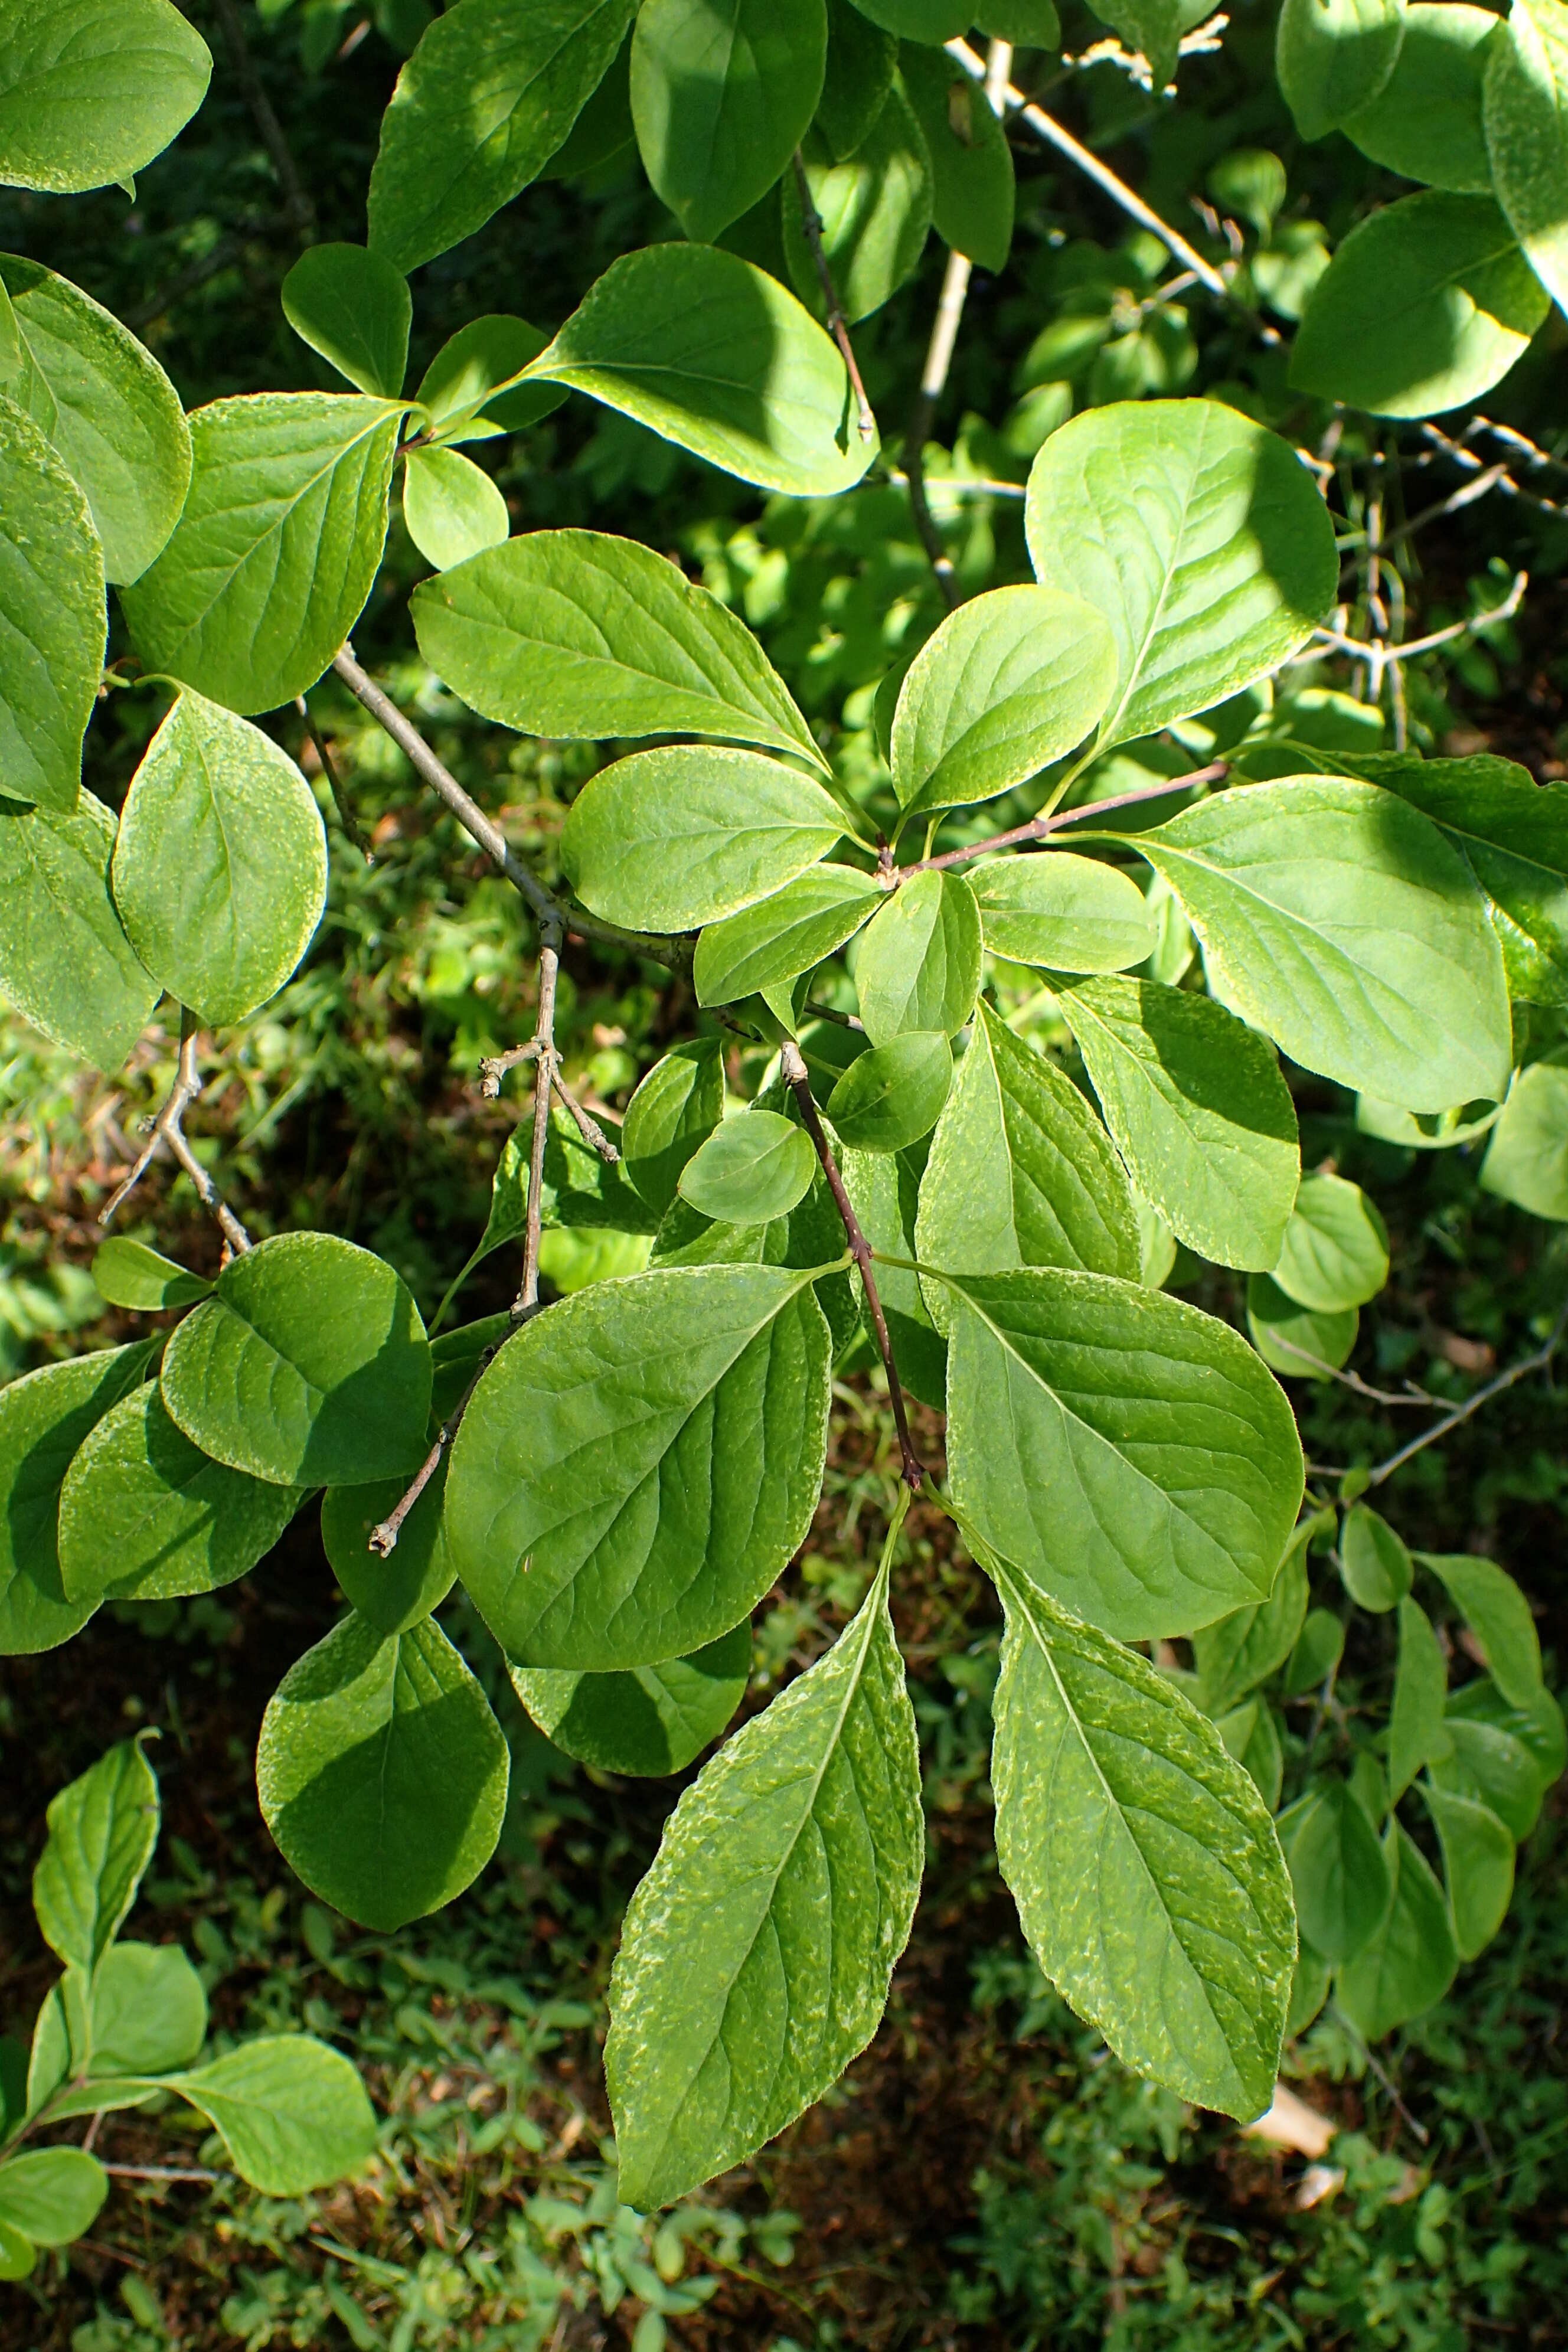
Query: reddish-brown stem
(1040,828)
(169,1135)
(837,326)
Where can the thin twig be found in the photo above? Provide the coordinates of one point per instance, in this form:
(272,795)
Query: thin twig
(1420,2130)
(494,1067)
(1040,828)
(1539,1362)
(297,204)
(1411,1395)
(795,1070)
(346,817)
(837,325)
(164,2172)
(672,953)
(168,1134)
(588,1127)
(1379,656)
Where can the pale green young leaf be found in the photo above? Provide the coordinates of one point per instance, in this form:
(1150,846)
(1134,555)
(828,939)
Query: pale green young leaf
(890,1097)
(458,389)
(292,2112)
(145,1516)
(1525,114)
(479,109)
(637,1467)
(397,1593)
(1413,1958)
(1426,122)
(273,557)
(1527,1158)
(92,89)
(917,963)
(102,1830)
(1337,918)
(65,962)
(648,1721)
(576,634)
(1151,1471)
(1066,913)
(43,1417)
(382,1772)
(355,307)
(972,190)
(51,2195)
(309,1366)
(1499,1616)
(861,60)
(1143,1859)
(1340,1871)
(874,206)
(1373,1560)
(668,839)
(712,354)
(1425,306)
(220,866)
(1335,56)
(676,1107)
(1335,1252)
(884,1190)
(1200,538)
(1415,1729)
(1009,682)
(452,507)
(1477,1867)
(1297,1341)
(147,2011)
(755,1167)
(757,1952)
(1199,1111)
(1319,1645)
(128,1273)
(51,617)
(772,943)
(1236,1652)
(722,91)
(110,412)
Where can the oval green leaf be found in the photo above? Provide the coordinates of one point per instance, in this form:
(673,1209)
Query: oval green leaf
(452,508)
(675,1108)
(1525,114)
(353,308)
(1426,122)
(1296,1341)
(51,617)
(918,965)
(756,1166)
(128,1273)
(1066,913)
(721,99)
(892,1095)
(648,1721)
(874,206)
(1335,56)
(43,1417)
(92,89)
(772,943)
(65,962)
(1335,1253)
(292,2112)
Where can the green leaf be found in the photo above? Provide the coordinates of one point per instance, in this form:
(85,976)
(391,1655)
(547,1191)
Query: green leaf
(275,552)
(1335,1252)
(1251,1735)
(755,1167)
(1309,1991)
(1373,1560)
(65,962)
(858,74)
(395,1595)
(1478,1864)
(458,389)
(1132,1453)
(220,866)
(638,1465)
(674,1110)
(382,1772)
(109,411)
(1335,56)
(884,1190)
(1068,913)
(1009,682)
(1525,112)
(1426,122)
(933,21)
(145,1516)
(1143,1862)
(1498,1615)
(1337,918)
(1490,1762)
(1425,306)
(43,1417)
(353,308)
(1020,1173)
(648,1721)
(712,354)
(1031,23)
(874,206)
(1340,1874)
(970,162)
(1200,538)
(773,942)
(1317,1654)
(147,2011)
(809,1238)
(603,131)
(481,106)
(308,1367)
(668,839)
(1297,1341)
(1416,1730)
(102,1830)
(722,91)
(1413,1958)
(128,1273)
(1527,1158)
(92,89)
(292,2113)
(756,1954)
(452,508)
(51,2195)
(18,2253)
(890,1097)
(1150,27)
(1236,1652)
(51,617)
(918,965)
(574,634)
(1199,1111)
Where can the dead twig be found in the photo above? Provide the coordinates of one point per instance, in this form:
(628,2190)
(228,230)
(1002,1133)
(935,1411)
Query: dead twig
(169,1135)
(1539,1361)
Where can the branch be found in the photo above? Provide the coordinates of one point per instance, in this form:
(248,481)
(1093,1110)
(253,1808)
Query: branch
(795,1070)
(494,1067)
(837,325)
(168,1134)
(1380,656)
(1040,828)
(672,953)
(296,205)
(346,817)
(1540,1361)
